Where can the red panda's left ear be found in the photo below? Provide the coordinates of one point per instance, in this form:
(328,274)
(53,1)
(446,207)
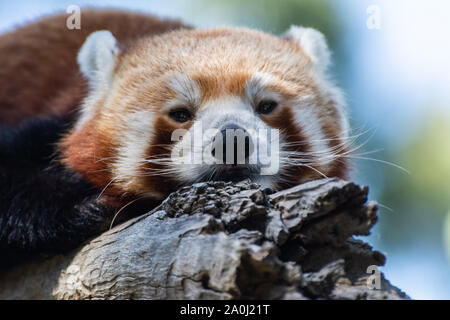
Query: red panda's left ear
(97,58)
(313,44)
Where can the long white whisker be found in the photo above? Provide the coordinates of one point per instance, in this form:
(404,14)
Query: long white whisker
(381,161)
(106,187)
(121,209)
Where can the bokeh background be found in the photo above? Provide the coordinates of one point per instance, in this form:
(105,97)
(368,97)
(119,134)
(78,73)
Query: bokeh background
(393,60)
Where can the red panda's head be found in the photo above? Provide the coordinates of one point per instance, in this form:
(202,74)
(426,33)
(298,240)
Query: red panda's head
(196,105)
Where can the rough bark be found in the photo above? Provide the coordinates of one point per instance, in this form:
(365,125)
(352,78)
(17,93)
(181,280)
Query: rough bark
(220,240)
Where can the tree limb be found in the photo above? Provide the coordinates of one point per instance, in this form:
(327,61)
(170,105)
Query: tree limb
(218,240)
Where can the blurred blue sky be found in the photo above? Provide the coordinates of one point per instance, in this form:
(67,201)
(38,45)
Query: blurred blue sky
(394,77)
(398,76)
(401,67)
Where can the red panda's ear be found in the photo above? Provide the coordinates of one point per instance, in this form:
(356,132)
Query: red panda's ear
(313,44)
(97,58)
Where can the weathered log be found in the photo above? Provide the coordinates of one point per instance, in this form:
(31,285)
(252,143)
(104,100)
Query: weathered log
(220,240)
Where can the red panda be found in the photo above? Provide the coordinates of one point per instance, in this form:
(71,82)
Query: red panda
(135,80)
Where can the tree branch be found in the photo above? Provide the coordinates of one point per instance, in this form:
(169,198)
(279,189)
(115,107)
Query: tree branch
(220,240)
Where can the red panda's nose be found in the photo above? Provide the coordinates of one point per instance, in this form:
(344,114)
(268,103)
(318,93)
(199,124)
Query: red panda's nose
(236,145)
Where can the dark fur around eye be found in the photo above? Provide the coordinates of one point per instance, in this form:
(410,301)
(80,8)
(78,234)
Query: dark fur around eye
(266,106)
(181,115)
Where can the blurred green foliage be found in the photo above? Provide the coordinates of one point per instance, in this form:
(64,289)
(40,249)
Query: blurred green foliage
(420,200)
(428,158)
(277,16)
(447,235)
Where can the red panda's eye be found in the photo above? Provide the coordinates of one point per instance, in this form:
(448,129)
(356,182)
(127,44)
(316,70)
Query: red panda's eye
(266,106)
(180,115)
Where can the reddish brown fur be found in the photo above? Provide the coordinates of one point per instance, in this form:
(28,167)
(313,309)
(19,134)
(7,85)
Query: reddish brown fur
(87,143)
(291,133)
(213,86)
(160,148)
(41,77)
(220,67)
(39,72)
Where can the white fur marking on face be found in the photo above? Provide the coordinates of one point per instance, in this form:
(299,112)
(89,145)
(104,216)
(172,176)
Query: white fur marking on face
(215,114)
(313,44)
(226,109)
(135,136)
(343,113)
(187,90)
(309,123)
(257,83)
(333,93)
(257,87)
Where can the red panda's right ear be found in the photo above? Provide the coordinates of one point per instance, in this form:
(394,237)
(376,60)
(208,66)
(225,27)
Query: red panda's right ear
(97,58)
